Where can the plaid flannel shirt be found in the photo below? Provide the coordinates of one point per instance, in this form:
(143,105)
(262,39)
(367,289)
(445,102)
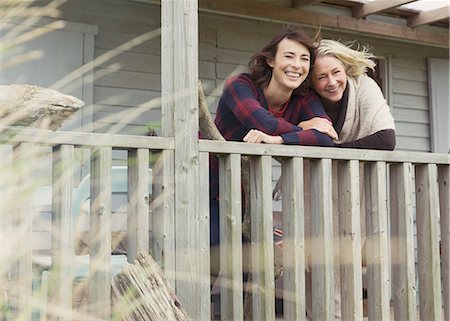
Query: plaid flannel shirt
(243,107)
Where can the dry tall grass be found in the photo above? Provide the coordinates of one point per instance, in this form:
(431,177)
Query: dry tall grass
(26,283)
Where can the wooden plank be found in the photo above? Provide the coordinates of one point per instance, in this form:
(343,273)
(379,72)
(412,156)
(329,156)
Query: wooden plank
(408,115)
(294,265)
(6,202)
(138,203)
(48,137)
(350,241)
(51,138)
(88,81)
(204,242)
(392,31)
(262,268)
(304,3)
(413,144)
(167,60)
(413,87)
(231,301)
(377,242)
(322,152)
(403,243)
(322,256)
(123,97)
(131,61)
(127,79)
(61,277)
(21,230)
(99,297)
(372,7)
(444,205)
(163,213)
(179,78)
(427,221)
(269,12)
(426,17)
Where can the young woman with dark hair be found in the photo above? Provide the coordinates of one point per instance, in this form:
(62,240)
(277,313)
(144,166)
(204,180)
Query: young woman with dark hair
(265,105)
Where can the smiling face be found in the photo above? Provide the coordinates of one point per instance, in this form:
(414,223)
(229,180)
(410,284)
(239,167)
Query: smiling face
(290,66)
(329,79)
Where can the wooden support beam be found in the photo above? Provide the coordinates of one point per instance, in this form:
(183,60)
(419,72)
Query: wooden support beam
(267,12)
(179,93)
(304,3)
(372,7)
(425,17)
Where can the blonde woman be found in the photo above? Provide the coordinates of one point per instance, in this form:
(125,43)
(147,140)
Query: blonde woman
(353,100)
(355,104)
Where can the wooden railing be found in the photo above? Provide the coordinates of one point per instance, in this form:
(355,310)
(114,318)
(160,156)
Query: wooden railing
(383,215)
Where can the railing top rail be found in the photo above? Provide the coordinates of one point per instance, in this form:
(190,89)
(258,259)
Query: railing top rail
(368,155)
(13,135)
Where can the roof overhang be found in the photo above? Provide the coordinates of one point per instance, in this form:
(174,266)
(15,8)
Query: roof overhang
(300,12)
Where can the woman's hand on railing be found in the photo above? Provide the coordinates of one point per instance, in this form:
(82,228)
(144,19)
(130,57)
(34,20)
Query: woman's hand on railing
(257,136)
(320,124)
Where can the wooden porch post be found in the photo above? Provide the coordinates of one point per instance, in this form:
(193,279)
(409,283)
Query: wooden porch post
(179,77)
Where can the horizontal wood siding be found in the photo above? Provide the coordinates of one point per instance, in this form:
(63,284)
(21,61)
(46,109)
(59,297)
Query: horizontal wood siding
(133,78)
(130,78)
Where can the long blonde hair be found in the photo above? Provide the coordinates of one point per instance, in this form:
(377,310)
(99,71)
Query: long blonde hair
(356,62)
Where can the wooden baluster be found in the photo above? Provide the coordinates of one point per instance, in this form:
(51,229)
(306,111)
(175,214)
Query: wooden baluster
(378,287)
(294,306)
(100,233)
(427,221)
(402,240)
(350,240)
(262,268)
(61,276)
(322,254)
(138,202)
(230,238)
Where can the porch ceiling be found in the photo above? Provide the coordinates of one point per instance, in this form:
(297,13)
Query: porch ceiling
(416,12)
(381,18)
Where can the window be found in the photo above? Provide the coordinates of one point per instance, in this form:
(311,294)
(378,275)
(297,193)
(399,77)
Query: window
(58,52)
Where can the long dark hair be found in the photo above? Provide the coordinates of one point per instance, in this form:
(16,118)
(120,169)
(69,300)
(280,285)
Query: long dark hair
(261,72)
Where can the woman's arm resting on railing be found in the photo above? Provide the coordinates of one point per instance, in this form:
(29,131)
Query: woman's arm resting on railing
(257,136)
(320,124)
(382,140)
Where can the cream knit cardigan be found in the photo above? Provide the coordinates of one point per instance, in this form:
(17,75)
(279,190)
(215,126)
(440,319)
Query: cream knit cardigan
(367,110)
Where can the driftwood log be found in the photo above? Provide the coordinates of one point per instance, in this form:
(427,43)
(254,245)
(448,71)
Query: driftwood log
(30,105)
(141,293)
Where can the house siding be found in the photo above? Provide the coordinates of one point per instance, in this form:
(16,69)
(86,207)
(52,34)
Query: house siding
(129,79)
(226,43)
